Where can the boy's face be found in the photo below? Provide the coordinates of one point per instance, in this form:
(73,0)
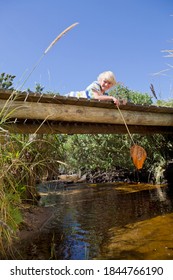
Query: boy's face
(105,85)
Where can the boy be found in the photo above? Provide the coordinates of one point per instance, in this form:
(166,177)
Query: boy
(98,89)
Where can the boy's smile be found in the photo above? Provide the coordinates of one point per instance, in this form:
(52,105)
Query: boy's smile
(105,85)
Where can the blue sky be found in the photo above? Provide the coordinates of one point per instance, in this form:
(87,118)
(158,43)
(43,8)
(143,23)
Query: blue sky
(125,36)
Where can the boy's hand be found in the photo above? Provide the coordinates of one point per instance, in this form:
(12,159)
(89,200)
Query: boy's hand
(122,101)
(116,101)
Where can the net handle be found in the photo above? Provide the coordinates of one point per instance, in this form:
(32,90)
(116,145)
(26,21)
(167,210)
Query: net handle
(125,125)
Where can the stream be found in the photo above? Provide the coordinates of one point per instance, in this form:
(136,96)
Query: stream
(107,221)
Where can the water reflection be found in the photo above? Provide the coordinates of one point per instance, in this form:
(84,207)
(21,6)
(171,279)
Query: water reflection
(111,221)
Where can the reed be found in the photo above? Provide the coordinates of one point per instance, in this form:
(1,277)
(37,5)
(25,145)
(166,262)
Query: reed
(60,36)
(46,51)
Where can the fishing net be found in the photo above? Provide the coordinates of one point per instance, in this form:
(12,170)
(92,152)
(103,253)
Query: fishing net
(138,155)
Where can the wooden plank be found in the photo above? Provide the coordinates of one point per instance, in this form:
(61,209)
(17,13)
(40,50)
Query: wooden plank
(57,99)
(75,113)
(81,128)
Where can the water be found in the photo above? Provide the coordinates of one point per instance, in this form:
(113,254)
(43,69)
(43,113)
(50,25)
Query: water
(108,221)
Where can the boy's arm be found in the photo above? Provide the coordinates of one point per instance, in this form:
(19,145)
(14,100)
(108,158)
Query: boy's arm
(98,95)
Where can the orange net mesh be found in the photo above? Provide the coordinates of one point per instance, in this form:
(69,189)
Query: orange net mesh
(138,155)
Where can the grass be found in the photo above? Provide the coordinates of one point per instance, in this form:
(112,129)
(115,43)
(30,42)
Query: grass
(24,161)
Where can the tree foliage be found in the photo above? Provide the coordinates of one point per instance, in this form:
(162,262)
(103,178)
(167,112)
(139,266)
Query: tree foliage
(131,96)
(6,81)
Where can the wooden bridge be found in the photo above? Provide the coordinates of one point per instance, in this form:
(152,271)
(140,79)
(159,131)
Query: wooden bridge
(21,112)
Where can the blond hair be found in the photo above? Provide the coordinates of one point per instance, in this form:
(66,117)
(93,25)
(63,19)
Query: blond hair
(109,76)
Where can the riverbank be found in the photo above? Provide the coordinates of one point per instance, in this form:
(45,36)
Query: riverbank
(34,220)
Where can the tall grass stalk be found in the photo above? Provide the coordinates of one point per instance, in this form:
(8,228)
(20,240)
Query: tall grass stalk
(46,51)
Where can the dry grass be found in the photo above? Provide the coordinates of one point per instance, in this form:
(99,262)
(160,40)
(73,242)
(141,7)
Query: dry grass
(48,48)
(59,36)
